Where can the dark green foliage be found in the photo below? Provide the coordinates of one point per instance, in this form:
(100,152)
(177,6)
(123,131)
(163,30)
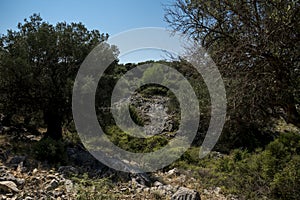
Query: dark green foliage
(133,144)
(153,73)
(255,46)
(38,65)
(136,116)
(153,89)
(53,151)
(92,189)
(272,173)
(286,184)
(245,135)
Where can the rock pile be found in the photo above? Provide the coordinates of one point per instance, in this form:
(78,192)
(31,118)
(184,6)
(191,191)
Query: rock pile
(56,184)
(35,184)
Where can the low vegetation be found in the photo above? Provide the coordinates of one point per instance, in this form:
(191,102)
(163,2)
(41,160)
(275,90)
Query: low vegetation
(271,173)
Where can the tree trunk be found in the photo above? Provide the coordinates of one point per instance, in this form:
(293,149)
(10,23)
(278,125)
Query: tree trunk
(54,124)
(292,115)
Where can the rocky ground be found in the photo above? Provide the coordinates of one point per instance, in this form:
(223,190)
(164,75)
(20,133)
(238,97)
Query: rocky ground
(56,184)
(23,177)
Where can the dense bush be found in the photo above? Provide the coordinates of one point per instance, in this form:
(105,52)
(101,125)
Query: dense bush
(270,173)
(135,115)
(92,189)
(51,150)
(273,172)
(286,184)
(134,144)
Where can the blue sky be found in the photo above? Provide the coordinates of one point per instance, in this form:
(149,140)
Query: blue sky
(108,16)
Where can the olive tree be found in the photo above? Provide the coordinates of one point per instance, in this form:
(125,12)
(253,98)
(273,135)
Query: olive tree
(255,44)
(38,65)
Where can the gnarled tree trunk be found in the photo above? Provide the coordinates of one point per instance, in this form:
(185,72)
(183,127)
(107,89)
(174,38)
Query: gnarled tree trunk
(292,115)
(53,121)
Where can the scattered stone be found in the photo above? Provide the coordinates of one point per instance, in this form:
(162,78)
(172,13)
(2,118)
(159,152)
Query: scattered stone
(52,185)
(123,189)
(8,186)
(157,184)
(9,177)
(181,178)
(69,186)
(20,167)
(142,179)
(3,169)
(80,157)
(139,190)
(68,170)
(205,191)
(16,160)
(147,190)
(169,188)
(13,198)
(35,171)
(6,176)
(56,193)
(217,190)
(20,181)
(186,194)
(215,155)
(51,176)
(172,172)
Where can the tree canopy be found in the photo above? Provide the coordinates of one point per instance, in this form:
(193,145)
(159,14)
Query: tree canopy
(38,65)
(256,46)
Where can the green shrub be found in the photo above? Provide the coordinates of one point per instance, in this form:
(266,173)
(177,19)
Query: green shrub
(157,195)
(226,165)
(239,155)
(153,89)
(135,115)
(134,144)
(286,183)
(272,173)
(154,72)
(51,150)
(71,138)
(93,189)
